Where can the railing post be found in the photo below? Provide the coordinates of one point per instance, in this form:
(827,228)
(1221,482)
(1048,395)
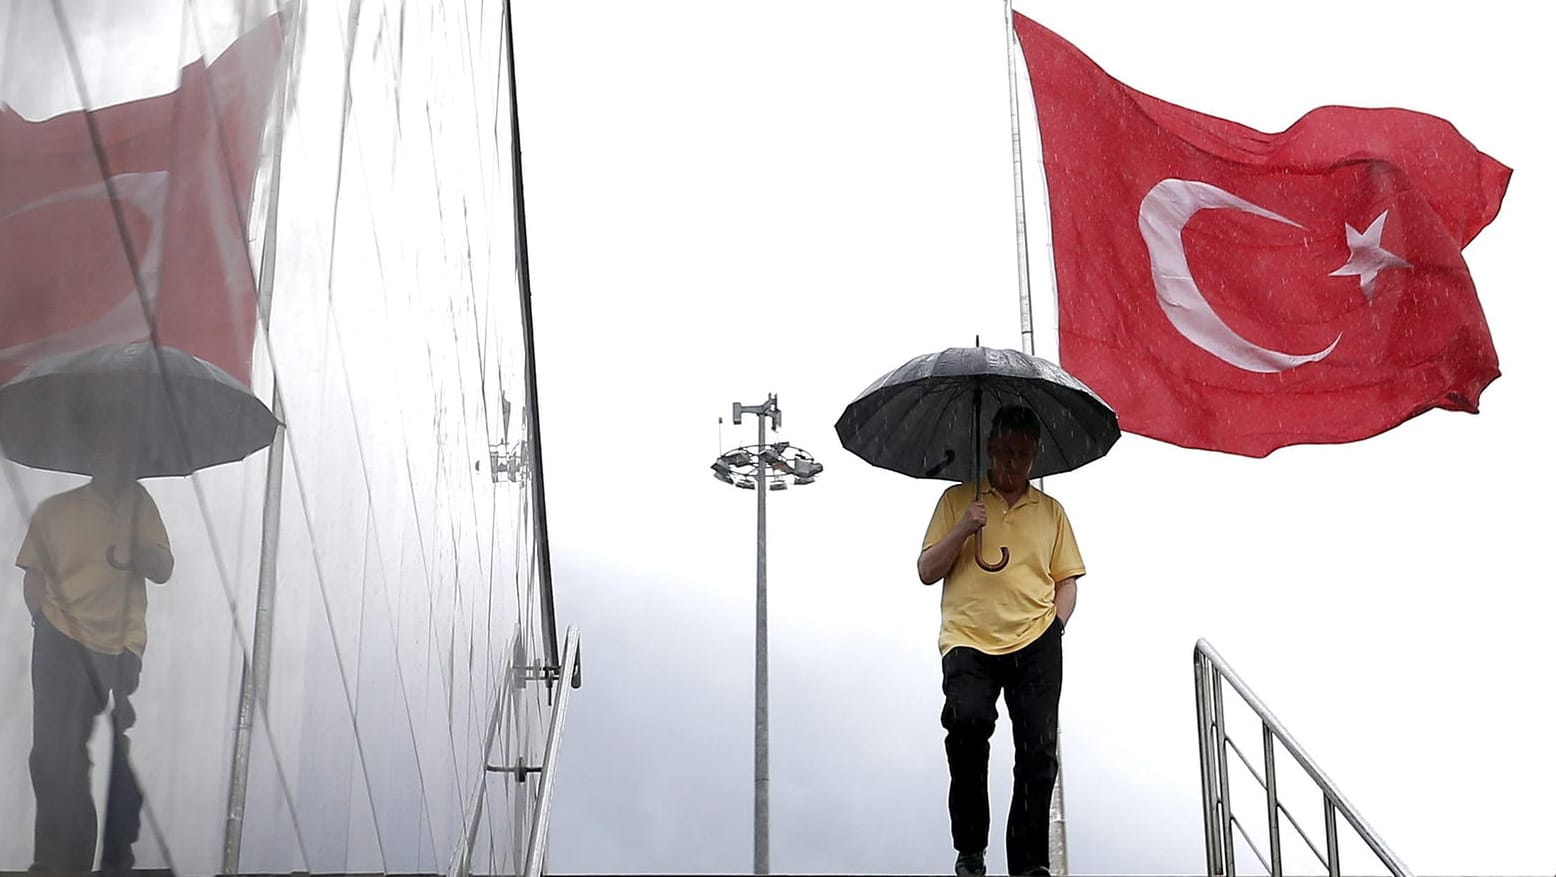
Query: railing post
(1331,839)
(1228,853)
(519,693)
(535,855)
(1209,783)
(1271,801)
(465,852)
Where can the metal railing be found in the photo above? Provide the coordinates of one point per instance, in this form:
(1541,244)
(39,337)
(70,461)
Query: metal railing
(1210,670)
(535,857)
(507,703)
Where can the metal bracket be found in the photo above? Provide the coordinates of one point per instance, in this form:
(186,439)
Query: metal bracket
(542,673)
(507,463)
(523,770)
(551,674)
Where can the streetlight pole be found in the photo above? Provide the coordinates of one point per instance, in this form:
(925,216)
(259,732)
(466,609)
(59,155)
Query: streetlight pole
(754,467)
(761,861)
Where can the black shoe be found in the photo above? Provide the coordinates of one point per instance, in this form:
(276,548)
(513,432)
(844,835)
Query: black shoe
(970,865)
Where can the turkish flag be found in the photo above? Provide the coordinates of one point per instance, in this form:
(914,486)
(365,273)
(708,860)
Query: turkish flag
(1238,291)
(159,188)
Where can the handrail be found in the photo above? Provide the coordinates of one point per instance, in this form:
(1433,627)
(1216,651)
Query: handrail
(460,867)
(1210,669)
(570,677)
(568,680)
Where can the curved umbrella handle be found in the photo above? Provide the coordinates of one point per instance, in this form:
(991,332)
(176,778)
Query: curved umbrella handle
(114,562)
(990,567)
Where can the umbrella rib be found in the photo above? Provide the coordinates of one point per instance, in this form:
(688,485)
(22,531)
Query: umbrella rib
(940,396)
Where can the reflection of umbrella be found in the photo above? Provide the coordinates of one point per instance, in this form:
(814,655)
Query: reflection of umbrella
(929,417)
(177,412)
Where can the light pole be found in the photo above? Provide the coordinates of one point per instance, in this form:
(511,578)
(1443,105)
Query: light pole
(752,467)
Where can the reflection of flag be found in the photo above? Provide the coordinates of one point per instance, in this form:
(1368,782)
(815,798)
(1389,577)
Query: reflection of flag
(1228,289)
(180,169)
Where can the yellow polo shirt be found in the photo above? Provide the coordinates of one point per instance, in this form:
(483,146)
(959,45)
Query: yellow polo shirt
(67,542)
(1001,612)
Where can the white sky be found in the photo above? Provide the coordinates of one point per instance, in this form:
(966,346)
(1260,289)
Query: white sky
(731,199)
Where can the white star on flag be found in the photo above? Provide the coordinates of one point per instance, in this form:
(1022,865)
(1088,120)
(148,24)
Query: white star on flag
(1367,255)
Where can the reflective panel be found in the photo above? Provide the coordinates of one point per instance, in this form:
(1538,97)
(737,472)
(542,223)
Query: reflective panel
(263,648)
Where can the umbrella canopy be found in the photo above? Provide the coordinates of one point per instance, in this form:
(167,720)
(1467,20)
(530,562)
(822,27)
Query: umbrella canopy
(169,412)
(929,417)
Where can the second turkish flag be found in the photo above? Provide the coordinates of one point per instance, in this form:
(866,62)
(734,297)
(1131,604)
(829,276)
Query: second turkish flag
(1228,289)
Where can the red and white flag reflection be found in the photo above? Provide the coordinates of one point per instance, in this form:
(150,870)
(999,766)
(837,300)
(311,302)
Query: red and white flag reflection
(159,188)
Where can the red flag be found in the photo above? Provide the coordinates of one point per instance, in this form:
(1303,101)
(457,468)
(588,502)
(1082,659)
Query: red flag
(1228,289)
(180,170)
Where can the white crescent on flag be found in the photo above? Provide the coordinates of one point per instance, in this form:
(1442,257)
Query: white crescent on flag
(1164,211)
(146,193)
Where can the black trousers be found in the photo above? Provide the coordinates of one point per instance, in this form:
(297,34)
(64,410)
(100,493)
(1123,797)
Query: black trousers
(70,687)
(1030,679)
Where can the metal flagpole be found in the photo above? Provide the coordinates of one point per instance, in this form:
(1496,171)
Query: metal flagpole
(255,685)
(1057,858)
(1018,181)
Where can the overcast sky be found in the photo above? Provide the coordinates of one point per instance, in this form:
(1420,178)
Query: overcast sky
(731,199)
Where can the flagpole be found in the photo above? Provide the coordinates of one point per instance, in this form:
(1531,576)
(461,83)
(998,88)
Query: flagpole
(1018,182)
(254,686)
(1058,858)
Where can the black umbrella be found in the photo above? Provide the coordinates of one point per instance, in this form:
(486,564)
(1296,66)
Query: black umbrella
(928,418)
(172,412)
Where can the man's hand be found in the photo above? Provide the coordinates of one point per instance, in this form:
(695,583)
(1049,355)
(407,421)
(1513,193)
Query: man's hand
(935,562)
(973,519)
(1064,600)
(149,561)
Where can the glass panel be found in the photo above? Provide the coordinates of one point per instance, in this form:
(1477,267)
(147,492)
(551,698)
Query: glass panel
(245,211)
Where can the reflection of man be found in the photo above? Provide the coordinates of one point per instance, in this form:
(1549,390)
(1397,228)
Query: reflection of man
(86,558)
(1000,631)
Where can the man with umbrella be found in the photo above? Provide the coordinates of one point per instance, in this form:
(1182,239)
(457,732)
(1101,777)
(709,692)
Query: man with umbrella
(1000,630)
(85,560)
(118,414)
(1000,620)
